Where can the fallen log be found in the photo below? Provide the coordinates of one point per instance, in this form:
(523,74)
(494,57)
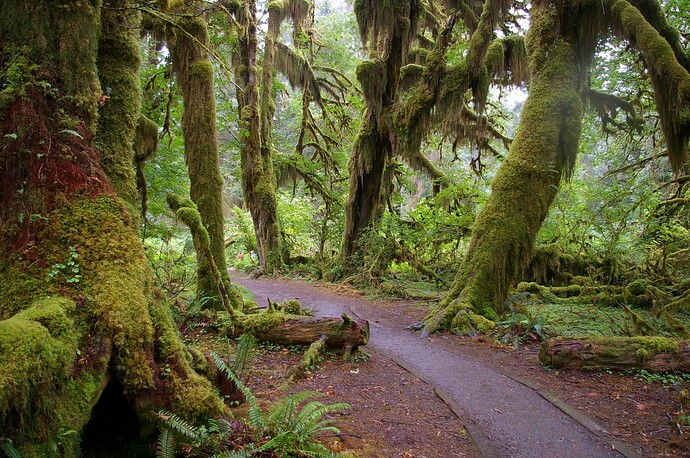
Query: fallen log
(658,354)
(341,332)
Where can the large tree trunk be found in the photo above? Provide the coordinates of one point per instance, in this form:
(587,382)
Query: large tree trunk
(195,74)
(370,155)
(527,181)
(118,63)
(258,181)
(388,35)
(77,307)
(657,354)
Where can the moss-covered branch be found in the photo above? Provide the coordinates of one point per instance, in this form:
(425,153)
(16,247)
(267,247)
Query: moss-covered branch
(670,79)
(526,183)
(186,211)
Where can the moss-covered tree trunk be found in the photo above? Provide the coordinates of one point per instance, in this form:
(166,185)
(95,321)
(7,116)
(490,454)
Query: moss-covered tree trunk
(194,71)
(527,181)
(77,308)
(118,63)
(364,206)
(387,30)
(256,114)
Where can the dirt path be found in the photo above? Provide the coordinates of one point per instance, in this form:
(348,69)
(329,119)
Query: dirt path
(510,418)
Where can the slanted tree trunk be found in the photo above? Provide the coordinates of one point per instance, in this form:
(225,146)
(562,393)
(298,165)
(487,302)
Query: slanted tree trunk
(527,181)
(659,354)
(194,71)
(77,309)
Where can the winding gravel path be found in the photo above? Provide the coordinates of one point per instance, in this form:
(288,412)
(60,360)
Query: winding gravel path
(511,419)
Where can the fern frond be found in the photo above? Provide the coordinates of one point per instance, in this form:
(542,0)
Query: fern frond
(310,421)
(179,425)
(245,353)
(317,450)
(8,447)
(282,413)
(233,454)
(166,444)
(256,416)
(284,441)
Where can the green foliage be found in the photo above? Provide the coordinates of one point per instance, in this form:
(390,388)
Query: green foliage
(173,264)
(256,417)
(244,354)
(521,326)
(7,446)
(665,378)
(201,440)
(69,271)
(291,430)
(294,428)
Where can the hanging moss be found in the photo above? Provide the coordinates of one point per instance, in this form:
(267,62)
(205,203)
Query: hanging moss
(671,81)
(145,144)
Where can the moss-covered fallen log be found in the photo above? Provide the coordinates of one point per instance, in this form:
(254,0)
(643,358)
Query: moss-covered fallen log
(287,329)
(657,354)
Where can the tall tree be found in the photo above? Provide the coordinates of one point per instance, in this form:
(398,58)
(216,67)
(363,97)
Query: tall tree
(387,32)
(258,100)
(561,42)
(192,65)
(78,312)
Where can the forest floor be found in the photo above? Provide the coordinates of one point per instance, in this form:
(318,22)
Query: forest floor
(396,414)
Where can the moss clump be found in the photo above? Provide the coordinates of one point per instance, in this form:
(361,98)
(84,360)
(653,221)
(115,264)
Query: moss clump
(655,344)
(194,398)
(37,350)
(637,287)
(261,322)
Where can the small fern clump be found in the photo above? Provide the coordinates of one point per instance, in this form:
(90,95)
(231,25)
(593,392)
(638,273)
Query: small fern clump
(286,430)
(8,448)
(294,430)
(203,440)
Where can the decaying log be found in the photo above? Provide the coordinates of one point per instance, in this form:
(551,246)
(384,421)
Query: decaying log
(658,354)
(285,329)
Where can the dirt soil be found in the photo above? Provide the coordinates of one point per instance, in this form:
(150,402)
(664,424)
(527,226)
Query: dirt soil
(395,414)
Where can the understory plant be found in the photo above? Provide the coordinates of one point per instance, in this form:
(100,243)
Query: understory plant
(289,428)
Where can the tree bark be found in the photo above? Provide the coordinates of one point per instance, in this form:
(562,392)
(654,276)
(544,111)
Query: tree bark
(77,310)
(303,330)
(657,354)
(120,103)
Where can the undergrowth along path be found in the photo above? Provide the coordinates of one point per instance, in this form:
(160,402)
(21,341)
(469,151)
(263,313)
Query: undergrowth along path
(511,419)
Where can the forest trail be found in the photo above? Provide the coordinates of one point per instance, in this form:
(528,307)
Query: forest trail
(510,418)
